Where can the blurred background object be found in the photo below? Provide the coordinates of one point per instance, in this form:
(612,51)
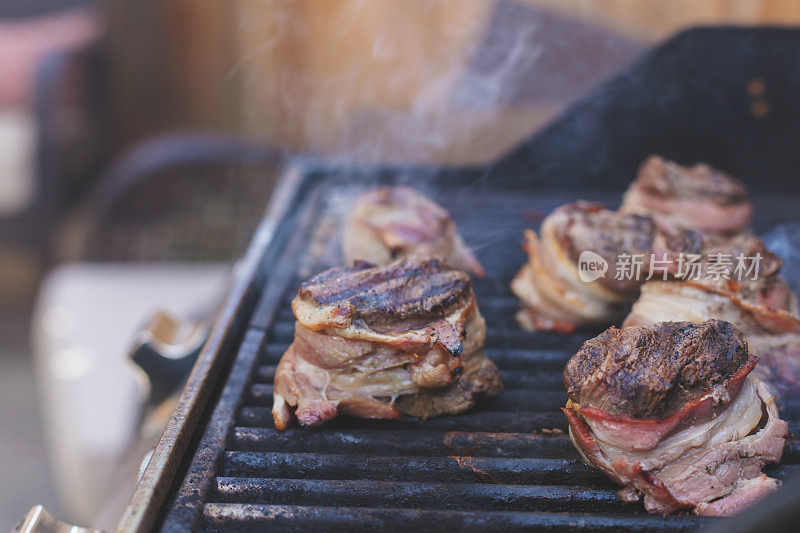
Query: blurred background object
(134,167)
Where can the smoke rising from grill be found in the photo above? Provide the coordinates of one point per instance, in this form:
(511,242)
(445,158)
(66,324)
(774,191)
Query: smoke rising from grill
(455,82)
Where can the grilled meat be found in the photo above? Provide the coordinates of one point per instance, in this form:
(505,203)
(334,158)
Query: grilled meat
(773,333)
(380,342)
(391,222)
(697,197)
(671,411)
(549,285)
(649,372)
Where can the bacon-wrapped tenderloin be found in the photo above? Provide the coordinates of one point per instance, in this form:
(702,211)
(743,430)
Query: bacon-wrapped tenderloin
(740,265)
(694,197)
(391,222)
(553,294)
(381,342)
(673,413)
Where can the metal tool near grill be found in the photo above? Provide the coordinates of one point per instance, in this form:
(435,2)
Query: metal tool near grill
(508,464)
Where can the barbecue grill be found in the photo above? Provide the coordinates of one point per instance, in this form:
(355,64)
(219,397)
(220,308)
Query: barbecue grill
(726,96)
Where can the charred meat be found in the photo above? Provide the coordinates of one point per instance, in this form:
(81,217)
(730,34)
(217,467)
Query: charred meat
(553,295)
(694,197)
(381,342)
(672,412)
(391,222)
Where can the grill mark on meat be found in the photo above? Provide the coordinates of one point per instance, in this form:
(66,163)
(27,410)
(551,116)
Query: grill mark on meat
(651,371)
(403,295)
(340,283)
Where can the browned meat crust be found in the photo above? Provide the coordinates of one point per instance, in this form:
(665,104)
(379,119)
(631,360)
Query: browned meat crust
(651,371)
(746,245)
(404,295)
(590,226)
(699,181)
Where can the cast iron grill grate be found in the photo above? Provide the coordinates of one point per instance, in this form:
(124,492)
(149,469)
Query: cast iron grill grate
(507,464)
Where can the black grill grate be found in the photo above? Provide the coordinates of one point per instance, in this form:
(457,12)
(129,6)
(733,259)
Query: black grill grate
(507,464)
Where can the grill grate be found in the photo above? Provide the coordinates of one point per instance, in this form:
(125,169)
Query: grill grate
(507,464)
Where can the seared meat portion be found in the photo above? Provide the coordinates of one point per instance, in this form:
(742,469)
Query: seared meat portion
(773,333)
(391,222)
(672,412)
(380,342)
(553,295)
(406,295)
(696,197)
(649,372)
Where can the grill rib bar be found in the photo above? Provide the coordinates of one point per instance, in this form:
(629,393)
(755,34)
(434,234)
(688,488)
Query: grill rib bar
(252,517)
(493,422)
(409,468)
(454,496)
(394,442)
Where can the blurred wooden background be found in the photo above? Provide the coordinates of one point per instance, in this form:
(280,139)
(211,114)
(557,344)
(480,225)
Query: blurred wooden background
(381,79)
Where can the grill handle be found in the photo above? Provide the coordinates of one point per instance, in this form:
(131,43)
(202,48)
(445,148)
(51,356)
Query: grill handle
(165,350)
(40,520)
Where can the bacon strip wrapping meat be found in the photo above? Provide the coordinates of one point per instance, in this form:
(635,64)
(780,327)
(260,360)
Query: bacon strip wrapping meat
(694,197)
(673,413)
(383,342)
(549,285)
(391,222)
(670,213)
